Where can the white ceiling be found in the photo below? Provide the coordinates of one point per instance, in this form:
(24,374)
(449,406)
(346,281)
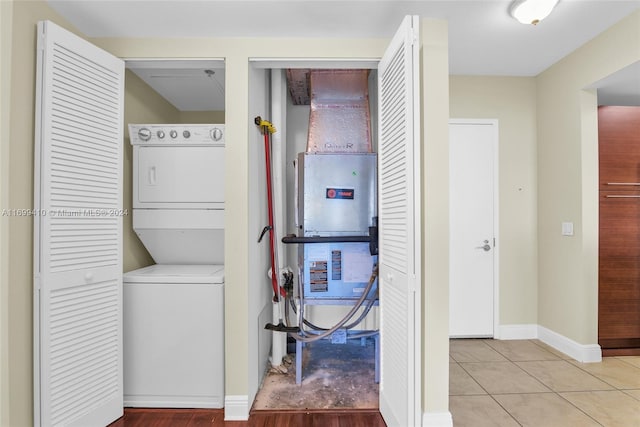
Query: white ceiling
(188,85)
(483,38)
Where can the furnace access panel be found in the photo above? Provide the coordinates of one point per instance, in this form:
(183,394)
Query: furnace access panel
(337,193)
(337,197)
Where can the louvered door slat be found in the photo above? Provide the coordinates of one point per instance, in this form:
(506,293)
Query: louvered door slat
(78,233)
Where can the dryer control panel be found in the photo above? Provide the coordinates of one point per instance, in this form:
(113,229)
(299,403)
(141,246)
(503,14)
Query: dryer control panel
(177,134)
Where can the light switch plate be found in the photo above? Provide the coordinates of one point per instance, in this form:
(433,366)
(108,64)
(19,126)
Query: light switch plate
(567,229)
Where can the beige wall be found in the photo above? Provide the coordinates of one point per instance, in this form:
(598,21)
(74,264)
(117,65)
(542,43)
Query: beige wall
(202,117)
(567,180)
(141,105)
(6,14)
(434,36)
(511,100)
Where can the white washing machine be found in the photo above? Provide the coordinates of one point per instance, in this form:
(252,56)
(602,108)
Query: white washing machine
(174,310)
(174,336)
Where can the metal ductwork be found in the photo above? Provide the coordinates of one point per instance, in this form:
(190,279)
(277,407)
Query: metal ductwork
(340,120)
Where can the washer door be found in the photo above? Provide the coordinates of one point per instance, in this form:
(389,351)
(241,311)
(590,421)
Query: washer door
(175,177)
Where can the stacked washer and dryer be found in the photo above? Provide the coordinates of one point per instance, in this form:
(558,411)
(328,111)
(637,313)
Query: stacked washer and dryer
(174,310)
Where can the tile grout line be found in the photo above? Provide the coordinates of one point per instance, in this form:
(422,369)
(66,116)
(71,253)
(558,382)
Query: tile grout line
(579,409)
(594,376)
(474,380)
(505,409)
(625,362)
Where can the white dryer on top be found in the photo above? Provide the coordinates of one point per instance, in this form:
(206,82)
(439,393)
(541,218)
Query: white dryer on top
(178,191)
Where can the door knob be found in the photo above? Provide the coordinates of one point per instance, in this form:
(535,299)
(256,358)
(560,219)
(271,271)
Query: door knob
(486,247)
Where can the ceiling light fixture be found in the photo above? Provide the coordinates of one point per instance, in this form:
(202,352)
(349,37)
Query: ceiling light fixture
(532,11)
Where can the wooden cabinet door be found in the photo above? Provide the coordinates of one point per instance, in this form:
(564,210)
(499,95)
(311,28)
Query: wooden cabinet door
(619,270)
(619,147)
(619,249)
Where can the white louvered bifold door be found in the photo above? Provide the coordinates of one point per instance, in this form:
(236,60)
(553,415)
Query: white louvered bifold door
(399,221)
(78,232)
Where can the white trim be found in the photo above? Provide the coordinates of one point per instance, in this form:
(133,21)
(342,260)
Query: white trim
(174,63)
(517,332)
(324,63)
(418,277)
(236,408)
(586,353)
(496,223)
(154,401)
(437,419)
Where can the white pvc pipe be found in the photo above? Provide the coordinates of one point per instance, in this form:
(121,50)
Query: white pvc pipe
(278,157)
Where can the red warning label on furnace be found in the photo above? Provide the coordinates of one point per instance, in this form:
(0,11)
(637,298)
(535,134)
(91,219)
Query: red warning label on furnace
(340,193)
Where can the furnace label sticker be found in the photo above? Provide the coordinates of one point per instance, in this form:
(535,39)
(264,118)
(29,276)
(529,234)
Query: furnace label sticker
(340,193)
(336,265)
(318,276)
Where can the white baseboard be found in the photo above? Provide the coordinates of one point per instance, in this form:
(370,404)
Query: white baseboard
(586,353)
(437,419)
(517,332)
(236,408)
(159,401)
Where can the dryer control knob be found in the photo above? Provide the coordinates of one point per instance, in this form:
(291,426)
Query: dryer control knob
(186,134)
(160,134)
(173,134)
(144,134)
(216,134)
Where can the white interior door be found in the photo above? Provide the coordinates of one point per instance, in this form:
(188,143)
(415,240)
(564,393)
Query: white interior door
(399,221)
(78,232)
(472,148)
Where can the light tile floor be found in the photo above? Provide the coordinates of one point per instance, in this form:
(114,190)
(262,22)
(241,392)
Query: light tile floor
(527,383)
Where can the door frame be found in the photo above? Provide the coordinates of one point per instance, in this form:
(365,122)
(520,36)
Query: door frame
(496,212)
(415,393)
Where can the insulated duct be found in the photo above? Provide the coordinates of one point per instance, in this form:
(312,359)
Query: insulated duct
(339,121)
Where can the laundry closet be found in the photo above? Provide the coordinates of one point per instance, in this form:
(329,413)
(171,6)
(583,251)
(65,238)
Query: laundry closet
(173,309)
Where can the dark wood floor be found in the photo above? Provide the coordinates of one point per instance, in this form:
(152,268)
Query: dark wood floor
(140,417)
